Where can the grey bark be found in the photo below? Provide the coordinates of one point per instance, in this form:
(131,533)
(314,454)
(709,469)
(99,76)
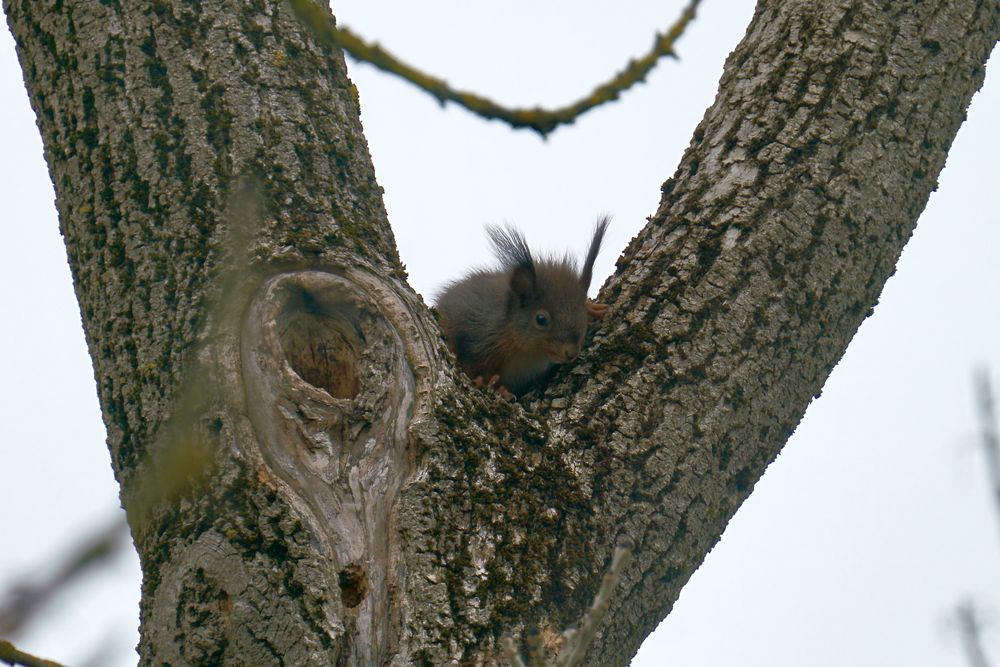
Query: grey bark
(308,479)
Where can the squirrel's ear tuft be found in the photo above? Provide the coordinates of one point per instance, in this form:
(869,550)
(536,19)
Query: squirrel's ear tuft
(510,247)
(595,247)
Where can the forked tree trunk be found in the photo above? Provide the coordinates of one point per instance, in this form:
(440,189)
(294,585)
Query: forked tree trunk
(308,479)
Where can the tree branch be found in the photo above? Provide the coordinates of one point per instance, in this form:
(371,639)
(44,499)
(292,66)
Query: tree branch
(542,121)
(12,656)
(770,246)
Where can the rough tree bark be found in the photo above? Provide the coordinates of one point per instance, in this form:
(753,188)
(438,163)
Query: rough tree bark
(308,479)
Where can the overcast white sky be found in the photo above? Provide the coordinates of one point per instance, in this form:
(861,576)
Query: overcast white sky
(860,539)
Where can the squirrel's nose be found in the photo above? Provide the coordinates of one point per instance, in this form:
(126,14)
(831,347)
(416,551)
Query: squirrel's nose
(568,351)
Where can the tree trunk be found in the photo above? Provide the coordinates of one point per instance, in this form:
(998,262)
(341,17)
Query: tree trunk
(308,479)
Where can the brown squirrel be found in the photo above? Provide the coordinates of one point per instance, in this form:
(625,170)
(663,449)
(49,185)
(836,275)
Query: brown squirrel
(509,325)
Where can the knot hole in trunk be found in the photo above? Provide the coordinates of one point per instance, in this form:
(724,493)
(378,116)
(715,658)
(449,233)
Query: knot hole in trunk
(322,341)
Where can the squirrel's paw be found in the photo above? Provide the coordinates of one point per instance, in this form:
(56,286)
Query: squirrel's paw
(494,384)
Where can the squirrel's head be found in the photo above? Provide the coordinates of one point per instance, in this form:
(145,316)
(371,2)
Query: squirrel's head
(547,308)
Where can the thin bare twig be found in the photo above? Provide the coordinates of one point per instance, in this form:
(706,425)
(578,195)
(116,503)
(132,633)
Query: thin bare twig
(576,640)
(510,652)
(970,629)
(542,121)
(10,655)
(20,603)
(579,640)
(988,430)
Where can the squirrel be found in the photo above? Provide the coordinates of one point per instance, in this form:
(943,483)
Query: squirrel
(508,326)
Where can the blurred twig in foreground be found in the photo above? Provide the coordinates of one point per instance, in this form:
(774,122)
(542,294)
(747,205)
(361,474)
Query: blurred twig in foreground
(969,630)
(22,601)
(967,618)
(988,429)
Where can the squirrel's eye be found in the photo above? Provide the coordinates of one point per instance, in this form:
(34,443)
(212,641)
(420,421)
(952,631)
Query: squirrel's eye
(541,319)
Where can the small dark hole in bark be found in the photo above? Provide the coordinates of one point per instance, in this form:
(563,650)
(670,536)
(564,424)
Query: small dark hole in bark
(322,346)
(353,585)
